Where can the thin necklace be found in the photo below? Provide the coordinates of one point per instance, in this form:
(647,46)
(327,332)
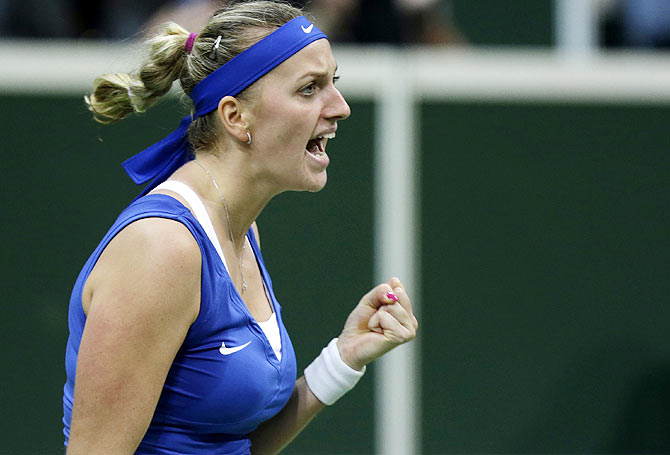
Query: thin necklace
(230,229)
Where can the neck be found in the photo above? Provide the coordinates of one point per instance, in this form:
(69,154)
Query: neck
(243,199)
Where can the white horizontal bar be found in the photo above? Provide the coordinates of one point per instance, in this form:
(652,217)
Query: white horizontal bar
(60,66)
(436,73)
(541,75)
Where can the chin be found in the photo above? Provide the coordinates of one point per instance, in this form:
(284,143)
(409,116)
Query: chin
(316,190)
(318,184)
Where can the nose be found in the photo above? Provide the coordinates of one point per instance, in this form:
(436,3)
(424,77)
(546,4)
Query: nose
(336,108)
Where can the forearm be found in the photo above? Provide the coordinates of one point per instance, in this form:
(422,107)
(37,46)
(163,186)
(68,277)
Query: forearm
(382,320)
(273,435)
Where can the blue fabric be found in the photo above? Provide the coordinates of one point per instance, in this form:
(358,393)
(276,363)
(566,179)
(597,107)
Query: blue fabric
(160,160)
(210,402)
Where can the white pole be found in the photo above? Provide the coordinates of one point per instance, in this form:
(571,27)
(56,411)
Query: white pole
(396,381)
(576,27)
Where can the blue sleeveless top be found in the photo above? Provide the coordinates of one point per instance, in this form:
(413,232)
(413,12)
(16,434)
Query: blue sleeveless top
(211,399)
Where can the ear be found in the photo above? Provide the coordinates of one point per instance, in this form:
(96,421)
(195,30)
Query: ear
(234,117)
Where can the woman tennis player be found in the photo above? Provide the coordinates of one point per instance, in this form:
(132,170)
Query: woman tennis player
(176,342)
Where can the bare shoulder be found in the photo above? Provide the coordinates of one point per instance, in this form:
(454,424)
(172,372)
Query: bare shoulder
(141,299)
(160,241)
(156,260)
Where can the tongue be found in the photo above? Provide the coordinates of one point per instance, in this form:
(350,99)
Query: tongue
(313,147)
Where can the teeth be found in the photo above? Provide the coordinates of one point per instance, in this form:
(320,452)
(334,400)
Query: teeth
(327,136)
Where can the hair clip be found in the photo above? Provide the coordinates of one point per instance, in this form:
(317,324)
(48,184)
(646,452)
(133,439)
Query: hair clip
(212,54)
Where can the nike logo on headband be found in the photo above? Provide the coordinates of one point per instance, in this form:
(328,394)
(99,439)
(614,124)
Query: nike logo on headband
(308,29)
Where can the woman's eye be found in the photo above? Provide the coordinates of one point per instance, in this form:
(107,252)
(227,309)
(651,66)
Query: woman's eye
(335,79)
(307,90)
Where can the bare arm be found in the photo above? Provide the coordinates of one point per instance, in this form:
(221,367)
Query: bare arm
(140,300)
(273,435)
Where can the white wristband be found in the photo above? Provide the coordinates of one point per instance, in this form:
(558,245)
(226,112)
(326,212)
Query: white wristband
(328,377)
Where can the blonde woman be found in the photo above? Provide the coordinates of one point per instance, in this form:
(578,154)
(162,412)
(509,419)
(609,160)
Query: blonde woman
(176,343)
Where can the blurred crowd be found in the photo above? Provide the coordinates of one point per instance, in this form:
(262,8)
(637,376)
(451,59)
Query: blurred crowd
(376,21)
(622,23)
(635,23)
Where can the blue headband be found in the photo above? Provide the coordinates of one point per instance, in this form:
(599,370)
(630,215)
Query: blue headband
(160,160)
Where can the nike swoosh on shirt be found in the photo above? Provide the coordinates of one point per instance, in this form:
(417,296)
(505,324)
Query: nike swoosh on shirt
(227,351)
(307,29)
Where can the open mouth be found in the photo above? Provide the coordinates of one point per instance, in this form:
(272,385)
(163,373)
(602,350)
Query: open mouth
(317,146)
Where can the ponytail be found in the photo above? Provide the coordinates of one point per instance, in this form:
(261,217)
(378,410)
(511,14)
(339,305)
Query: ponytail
(115,96)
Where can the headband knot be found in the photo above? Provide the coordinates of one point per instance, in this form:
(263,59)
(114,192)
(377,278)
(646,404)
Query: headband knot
(160,160)
(188,47)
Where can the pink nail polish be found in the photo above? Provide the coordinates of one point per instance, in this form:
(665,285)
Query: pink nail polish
(392,296)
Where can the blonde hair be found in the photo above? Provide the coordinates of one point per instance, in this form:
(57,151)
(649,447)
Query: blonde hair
(239,25)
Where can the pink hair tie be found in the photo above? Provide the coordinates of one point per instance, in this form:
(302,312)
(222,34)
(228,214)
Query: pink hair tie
(188,47)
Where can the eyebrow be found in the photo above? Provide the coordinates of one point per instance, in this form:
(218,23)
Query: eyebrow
(316,74)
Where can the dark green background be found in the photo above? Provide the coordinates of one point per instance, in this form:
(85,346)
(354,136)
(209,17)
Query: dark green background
(504,23)
(546,250)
